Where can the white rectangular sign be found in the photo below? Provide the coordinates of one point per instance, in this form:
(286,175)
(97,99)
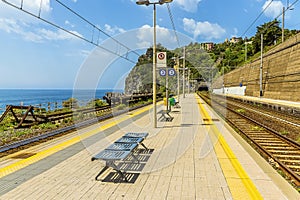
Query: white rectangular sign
(161,58)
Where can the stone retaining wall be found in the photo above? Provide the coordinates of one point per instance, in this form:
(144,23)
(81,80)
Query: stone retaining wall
(281,73)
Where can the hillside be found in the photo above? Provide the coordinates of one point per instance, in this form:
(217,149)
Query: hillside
(231,55)
(205,65)
(139,80)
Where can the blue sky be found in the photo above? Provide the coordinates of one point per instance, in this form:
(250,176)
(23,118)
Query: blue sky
(35,54)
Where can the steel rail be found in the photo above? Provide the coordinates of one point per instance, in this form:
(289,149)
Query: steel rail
(73,127)
(294,176)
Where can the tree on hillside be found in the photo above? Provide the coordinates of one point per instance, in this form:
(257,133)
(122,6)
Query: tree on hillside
(271,34)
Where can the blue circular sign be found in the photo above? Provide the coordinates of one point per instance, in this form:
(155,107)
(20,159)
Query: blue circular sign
(171,72)
(162,72)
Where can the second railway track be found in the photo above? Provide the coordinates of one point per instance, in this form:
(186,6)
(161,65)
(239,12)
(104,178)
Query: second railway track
(263,130)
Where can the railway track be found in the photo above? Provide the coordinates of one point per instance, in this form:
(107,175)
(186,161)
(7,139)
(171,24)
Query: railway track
(262,129)
(22,144)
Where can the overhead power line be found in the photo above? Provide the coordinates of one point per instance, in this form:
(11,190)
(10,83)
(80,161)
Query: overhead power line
(289,6)
(91,41)
(94,26)
(173,25)
(262,12)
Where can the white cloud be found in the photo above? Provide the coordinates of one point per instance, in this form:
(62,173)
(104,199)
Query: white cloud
(113,30)
(12,21)
(33,5)
(163,36)
(205,29)
(67,22)
(9,25)
(188,5)
(56,35)
(38,35)
(274,9)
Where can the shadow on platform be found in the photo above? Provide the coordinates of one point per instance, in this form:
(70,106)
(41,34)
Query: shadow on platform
(131,167)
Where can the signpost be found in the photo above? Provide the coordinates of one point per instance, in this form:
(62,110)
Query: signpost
(162,63)
(164,71)
(161,59)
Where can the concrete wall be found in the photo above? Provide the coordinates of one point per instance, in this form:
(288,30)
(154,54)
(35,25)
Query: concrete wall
(240,90)
(281,73)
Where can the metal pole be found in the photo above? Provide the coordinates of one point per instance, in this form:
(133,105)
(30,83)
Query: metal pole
(245,51)
(183,89)
(261,66)
(178,81)
(282,30)
(167,88)
(154,67)
(189,81)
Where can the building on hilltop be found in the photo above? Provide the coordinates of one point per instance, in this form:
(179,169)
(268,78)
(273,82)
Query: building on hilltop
(208,46)
(236,39)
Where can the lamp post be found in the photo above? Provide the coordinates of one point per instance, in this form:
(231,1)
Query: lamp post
(178,81)
(183,84)
(147,3)
(261,64)
(189,73)
(177,60)
(283,18)
(245,51)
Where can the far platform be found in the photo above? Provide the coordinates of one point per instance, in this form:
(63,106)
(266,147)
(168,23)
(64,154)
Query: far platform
(290,106)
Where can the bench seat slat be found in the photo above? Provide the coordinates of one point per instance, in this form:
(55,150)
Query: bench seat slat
(130,140)
(111,155)
(132,134)
(122,146)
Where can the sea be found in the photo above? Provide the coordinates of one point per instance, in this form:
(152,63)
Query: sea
(50,99)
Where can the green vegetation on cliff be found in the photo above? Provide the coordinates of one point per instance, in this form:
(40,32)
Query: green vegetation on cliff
(205,65)
(197,61)
(230,55)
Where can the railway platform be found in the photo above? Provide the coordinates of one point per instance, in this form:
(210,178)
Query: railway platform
(288,106)
(194,156)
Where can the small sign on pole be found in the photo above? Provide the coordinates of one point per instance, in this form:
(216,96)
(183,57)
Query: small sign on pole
(171,72)
(162,72)
(162,59)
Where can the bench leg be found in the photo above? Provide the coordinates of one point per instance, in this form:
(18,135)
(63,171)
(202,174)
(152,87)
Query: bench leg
(144,146)
(161,118)
(103,170)
(119,171)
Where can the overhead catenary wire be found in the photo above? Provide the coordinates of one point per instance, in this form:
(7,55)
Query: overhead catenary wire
(289,6)
(74,33)
(262,12)
(281,13)
(173,25)
(94,26)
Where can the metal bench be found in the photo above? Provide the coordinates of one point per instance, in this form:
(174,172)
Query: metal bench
(110,157)
(119,151)
(177,105)
(127,139)
(165,116)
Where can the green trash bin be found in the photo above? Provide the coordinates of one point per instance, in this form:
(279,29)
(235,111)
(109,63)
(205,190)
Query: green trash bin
(172,101)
